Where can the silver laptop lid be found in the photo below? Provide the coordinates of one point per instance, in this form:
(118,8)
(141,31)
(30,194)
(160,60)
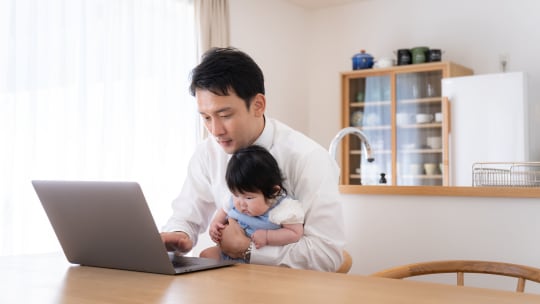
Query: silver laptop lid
(104,224)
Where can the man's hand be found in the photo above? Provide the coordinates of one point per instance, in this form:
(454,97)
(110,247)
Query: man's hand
(177,241)
(234,241)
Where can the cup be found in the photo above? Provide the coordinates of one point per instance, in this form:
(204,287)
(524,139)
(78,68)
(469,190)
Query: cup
(424,118)
(403,118)
(430,90)
(416,169)
(438,117)
(430,168)
(434,142)
(415,91)
(360,96)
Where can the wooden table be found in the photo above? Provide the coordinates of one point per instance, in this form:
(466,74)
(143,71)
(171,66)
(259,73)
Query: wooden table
(50,279)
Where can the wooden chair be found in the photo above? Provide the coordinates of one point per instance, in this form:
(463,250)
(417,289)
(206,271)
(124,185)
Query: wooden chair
(347,263)
(522,273)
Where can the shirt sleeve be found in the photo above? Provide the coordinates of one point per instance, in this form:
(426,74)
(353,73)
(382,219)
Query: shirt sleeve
(193,208)
(289,211)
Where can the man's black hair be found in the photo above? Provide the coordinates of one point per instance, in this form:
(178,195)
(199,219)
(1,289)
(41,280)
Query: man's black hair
(224,69)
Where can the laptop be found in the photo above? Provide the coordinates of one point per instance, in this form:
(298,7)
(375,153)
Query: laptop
(109,224)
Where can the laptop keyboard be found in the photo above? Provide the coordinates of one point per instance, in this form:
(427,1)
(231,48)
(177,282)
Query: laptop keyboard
(185,261)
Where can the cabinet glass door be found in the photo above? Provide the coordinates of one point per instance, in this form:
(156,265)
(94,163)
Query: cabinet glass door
(419,129)
(370,110)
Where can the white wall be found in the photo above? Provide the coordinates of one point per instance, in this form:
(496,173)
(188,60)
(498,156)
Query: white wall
(385,231)
(302,53)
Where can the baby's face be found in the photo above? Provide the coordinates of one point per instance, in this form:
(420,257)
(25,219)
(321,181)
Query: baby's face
(250,203)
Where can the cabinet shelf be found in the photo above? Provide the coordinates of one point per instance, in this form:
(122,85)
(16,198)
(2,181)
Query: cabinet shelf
(421,151)
(375,151)
(420,100)
(370,104)
(372,99)
(421,126)
(424,176)
(374,128)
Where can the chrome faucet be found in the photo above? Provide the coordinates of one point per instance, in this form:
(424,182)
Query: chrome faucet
(351,130)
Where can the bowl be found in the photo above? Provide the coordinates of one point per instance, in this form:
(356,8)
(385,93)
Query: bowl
(438,117)
(434,142)
(423,118)
(383,63)
(356,118)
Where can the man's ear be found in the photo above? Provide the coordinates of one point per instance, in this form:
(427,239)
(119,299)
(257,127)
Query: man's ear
(258,105)
(276,189)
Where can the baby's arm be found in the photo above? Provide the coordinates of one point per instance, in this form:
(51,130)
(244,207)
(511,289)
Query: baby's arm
(217,224)
(288,233)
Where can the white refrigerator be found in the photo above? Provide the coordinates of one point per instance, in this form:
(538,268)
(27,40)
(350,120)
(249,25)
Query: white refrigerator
(491,121)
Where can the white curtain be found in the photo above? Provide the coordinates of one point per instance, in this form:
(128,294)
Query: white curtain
(212,19)
(92,90)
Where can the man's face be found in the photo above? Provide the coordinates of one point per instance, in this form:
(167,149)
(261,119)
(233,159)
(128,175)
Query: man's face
(227,118)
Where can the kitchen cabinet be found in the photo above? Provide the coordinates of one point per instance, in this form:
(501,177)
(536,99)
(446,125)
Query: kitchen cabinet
(406,120)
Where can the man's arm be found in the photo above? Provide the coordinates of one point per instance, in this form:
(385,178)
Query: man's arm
(234,241)
(195,205)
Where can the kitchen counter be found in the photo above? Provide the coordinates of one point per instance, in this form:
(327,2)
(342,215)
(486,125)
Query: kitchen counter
(442,191)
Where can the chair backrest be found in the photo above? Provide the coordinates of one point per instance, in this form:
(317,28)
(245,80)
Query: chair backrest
(521,272)
(347,263)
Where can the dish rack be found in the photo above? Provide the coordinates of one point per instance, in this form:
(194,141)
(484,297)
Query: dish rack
(506,174)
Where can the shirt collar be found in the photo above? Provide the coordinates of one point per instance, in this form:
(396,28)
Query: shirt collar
(265,140)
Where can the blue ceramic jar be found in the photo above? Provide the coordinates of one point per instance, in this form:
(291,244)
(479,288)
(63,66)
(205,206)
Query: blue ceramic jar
(362,60)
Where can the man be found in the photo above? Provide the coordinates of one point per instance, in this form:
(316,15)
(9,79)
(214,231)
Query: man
(229,89)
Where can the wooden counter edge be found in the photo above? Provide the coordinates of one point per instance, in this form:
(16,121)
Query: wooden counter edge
(516,192)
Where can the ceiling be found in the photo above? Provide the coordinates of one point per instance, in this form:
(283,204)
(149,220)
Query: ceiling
(316,4)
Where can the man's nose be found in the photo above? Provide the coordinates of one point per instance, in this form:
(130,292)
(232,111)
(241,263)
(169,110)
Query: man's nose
(216,127)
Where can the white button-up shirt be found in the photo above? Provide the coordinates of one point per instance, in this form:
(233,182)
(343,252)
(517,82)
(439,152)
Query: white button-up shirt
(311,176)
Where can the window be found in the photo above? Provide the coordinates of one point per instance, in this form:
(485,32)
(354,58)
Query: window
(92,90)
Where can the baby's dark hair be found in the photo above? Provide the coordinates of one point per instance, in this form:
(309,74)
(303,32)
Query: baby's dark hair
(254,169)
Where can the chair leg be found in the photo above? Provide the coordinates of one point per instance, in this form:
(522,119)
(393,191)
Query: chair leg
(521,285)
(460,279)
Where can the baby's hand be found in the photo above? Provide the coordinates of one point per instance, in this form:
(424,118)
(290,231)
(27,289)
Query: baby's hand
(215,231)
(259,238)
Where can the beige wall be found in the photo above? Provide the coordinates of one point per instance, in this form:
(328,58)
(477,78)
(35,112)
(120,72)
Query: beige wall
(274,34)
(302,53)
